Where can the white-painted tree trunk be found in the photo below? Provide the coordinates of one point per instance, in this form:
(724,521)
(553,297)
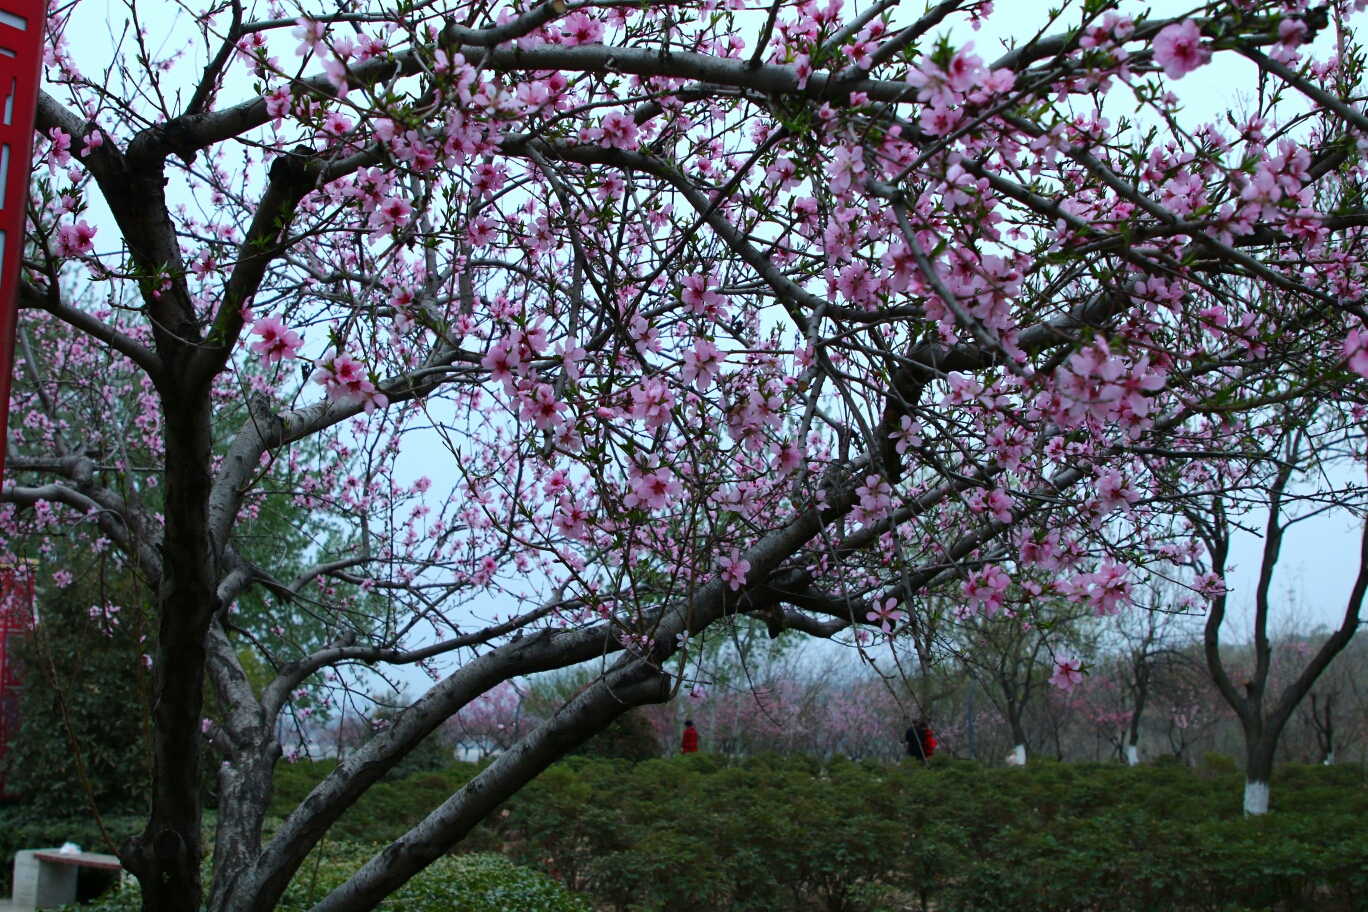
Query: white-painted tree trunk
(1019,755)
(1255,798)
(1132,755)
(1330,759)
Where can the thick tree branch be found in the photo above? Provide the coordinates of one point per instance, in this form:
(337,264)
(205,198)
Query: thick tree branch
(265,240)
(1319,96)
(631,683)
(137,539)
(213,72)
(542,651)
(186,135)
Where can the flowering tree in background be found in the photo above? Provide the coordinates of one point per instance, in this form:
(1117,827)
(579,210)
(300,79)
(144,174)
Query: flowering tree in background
(1014,659)
(690,311)
(802,706)
(491,722)
(1139,642)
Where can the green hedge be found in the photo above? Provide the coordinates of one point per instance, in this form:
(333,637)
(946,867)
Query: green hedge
(386,811)
(774,834)
(692,833)
(456,883)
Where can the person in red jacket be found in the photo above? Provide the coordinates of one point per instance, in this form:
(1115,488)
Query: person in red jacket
(921,740)
(690,745)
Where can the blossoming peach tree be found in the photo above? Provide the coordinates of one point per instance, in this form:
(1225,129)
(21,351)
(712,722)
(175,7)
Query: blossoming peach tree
(687,310)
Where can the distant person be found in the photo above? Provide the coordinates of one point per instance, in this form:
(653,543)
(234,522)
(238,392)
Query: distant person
(690,743)
(921,740)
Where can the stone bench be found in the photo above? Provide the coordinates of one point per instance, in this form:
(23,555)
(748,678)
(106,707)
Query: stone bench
(44,878)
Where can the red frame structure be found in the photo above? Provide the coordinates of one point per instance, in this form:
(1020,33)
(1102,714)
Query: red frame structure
(16,619)
(22,28)
(21,67)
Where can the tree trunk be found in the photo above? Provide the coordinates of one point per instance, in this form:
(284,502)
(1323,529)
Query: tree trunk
(165,857)
(1255,797)
(245,778)
(1259,771)
(1325,728)
(1141,695)
(1015,711)
(1262,728)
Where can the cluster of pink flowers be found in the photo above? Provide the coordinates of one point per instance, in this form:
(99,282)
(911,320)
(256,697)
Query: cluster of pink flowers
(278,342)
(344,380)
(652,489)
(74,240)
(734,569)
(1107,590)
(986,589)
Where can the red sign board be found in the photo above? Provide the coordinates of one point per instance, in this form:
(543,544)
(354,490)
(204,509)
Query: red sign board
(16,619)
(21,67)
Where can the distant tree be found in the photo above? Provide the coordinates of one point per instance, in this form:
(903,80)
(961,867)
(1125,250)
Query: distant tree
(630,737)
(1143,642)
(1012,657)
(1323,722)
(1189,705)
(1264,714)
(492,722)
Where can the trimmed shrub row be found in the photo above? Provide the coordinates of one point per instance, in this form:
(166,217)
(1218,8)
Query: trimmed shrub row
(771,834)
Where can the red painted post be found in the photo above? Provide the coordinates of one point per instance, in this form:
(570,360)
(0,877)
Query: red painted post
(21,67)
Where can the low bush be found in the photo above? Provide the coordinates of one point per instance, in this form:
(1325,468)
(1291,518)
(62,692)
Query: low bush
(772,834)
(385,812)
(455,883)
